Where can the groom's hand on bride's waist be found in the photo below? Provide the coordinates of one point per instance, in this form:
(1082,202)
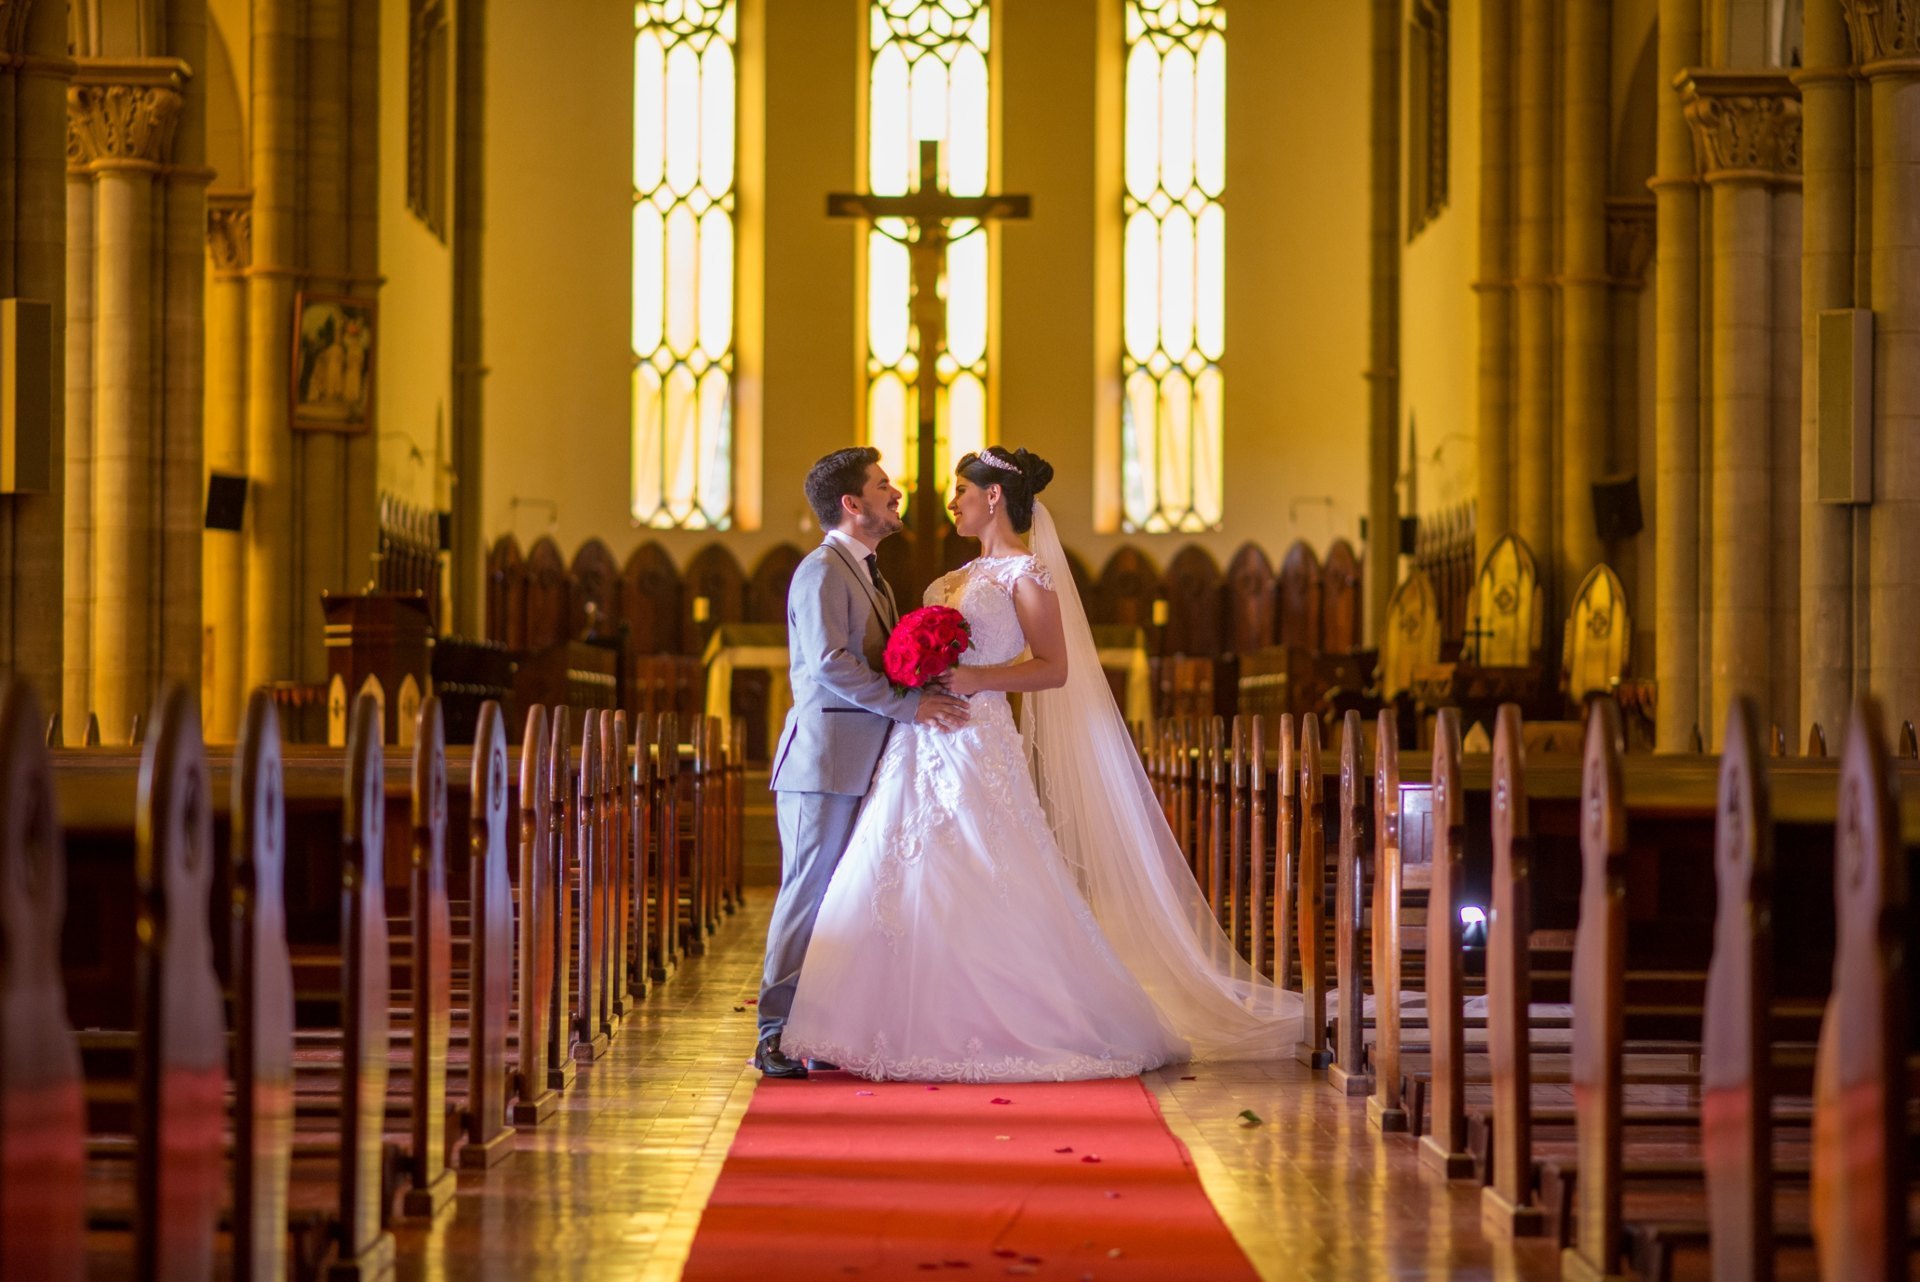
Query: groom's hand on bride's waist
(940,709)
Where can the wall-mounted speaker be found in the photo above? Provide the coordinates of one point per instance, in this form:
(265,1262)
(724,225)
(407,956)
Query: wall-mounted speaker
(1843,350)
(226,501)
(26,396)
(1616,507)
(1409,535)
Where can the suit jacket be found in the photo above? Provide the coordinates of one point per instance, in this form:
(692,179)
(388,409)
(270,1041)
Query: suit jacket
(843,705)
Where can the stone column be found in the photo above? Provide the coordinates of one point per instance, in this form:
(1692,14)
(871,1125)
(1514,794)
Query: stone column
(229,240)
(1677,394)
(1746,131)
(1533,311)
(1494,289)
(33,77)
(361,463)
(1886,41)
(321,456)
(468,407)
(77,684)
(180,362)
(1586,393)
(1383,315)
(121,121)
(1826,283)
(274,143)
(1783,377)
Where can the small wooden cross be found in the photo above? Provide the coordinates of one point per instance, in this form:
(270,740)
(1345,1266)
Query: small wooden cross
(928,212)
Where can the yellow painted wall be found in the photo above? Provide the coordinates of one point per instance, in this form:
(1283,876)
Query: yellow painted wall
(1439,314)
(414,361)
(555,268)
(557,265)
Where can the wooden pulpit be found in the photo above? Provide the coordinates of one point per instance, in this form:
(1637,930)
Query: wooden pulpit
(380,643)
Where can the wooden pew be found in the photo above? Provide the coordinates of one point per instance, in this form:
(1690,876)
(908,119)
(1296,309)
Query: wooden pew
(1506,1202)
(262,986)
(42,1115)
(430,961)
(665,878)
(1348,1072)
(1387,1109)
(536,1092)
(1863,1080)
(562,1022)
(422,1057)
(1633,924)
(1309,898)
(362,1237)
(160,1177)
(587,876)
(488,1135)
(1444,1145)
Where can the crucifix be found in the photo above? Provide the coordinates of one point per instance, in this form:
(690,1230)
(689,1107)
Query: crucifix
(929,213)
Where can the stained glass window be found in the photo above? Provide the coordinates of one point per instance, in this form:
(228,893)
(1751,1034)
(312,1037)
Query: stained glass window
(683,262)
(927,79)
(1175,314)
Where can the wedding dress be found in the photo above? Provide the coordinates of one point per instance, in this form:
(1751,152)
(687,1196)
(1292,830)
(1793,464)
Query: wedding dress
(981,928)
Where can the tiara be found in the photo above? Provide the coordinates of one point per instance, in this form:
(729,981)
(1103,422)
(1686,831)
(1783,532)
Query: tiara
(994,461)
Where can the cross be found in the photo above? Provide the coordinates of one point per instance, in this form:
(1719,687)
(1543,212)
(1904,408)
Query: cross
(928,212)
(1476,634)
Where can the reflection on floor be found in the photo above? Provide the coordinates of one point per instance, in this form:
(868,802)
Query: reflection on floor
(613,1185)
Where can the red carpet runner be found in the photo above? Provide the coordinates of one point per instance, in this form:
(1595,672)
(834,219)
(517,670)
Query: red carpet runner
(834,1177)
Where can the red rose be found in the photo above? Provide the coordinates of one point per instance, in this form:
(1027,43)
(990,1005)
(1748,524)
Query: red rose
(925,644)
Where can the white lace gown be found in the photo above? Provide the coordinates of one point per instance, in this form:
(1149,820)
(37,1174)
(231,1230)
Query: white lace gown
(953,943)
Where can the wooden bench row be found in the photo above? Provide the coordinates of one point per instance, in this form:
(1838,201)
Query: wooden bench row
(250,1010)
(1688,910)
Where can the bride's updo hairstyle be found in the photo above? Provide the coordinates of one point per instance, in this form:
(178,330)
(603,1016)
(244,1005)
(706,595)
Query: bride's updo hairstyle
(1020,474)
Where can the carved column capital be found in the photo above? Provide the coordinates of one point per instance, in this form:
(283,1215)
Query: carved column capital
(1883,30)
(230,230)
(124,113)
(1746,124)
(1630,233)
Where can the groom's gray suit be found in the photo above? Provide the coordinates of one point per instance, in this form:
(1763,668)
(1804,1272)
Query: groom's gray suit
(838,619)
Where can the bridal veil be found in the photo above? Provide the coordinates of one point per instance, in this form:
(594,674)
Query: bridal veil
(1112,831)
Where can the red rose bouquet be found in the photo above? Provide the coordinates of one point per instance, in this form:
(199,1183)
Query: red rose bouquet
(925,644)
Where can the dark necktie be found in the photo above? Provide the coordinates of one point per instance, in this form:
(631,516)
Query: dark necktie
(873,569)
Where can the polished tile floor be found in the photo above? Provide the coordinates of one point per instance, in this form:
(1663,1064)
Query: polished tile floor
(613,1185)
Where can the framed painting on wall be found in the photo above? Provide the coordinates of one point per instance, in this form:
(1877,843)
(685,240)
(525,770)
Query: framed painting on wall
(333,363)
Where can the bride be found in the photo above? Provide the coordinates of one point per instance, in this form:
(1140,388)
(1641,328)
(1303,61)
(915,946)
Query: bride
(1012,905)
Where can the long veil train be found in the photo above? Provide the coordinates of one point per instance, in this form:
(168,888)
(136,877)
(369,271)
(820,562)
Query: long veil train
(1113,833)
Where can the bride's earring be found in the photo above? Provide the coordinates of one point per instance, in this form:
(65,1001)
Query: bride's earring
(992,503)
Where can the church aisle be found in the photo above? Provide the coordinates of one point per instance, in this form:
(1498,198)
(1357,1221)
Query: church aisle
(614,1184)
(1314,1192)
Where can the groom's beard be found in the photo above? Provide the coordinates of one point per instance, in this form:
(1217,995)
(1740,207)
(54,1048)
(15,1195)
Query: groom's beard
(884,524)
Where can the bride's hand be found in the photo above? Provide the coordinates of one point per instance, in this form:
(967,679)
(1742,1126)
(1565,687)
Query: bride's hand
(964,681)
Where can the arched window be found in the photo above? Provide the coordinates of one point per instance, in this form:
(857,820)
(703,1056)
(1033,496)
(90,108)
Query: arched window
(684,107)
(1175,253)
(927,79)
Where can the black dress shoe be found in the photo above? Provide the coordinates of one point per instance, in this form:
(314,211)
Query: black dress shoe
(773,1062)
(821,1066)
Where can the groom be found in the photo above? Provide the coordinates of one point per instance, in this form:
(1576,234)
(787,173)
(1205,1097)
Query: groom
(839,612)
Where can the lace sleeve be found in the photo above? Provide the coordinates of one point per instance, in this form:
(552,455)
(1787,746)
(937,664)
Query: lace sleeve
(1031,567)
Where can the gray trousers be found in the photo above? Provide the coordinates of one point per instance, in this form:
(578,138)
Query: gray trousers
(814,830)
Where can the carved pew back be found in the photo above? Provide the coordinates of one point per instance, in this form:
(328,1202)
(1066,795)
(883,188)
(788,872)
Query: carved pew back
(42,1118)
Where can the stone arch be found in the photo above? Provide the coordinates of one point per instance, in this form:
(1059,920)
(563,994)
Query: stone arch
(650,599)
(767,590)
(227,148)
